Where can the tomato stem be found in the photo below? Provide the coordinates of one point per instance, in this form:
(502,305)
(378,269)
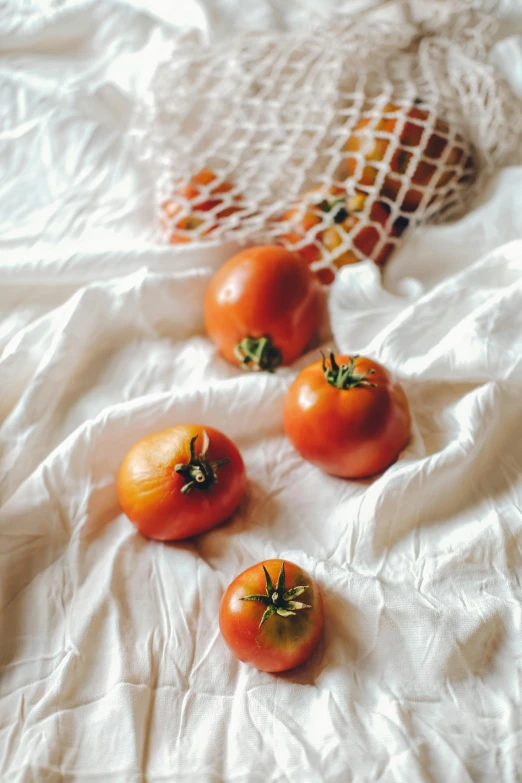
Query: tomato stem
(258,353)
(199,472)
(279,600)
(344,376)
(327,206)
(341,213)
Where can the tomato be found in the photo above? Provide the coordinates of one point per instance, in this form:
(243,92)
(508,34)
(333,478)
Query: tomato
(367,141)
(181,481)
(193,212)
(262,307)
(348,416)
(262,622)
(327,218)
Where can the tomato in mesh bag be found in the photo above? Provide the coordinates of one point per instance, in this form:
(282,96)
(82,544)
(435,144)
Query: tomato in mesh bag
(339,230)
(445,156)
(193,210)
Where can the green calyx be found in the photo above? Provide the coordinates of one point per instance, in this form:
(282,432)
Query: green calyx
(258,353)
(344,376)
(279,600)
(199,472)
(327,206)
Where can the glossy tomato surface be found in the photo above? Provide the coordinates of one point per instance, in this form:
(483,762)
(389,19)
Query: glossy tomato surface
(349,432)
(280,642)
(153,479)
(264,291)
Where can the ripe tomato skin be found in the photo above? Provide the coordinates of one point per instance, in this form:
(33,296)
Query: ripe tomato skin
(282,642)
(347,211)
(425,172)
(351,433)
(263,291)
(149,488)
(182,223)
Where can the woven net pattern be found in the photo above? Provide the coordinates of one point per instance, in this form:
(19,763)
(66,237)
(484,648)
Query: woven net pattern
(332,142)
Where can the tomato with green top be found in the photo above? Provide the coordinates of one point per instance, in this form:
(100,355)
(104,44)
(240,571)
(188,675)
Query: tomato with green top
(348,416)
(181,481)
(271,616)
(262,308)
(348,236)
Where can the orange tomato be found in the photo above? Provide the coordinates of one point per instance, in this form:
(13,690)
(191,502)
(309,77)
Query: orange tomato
(348,416)
(181,481)
(191,211)
(331,234)
(262,307)
(367,142)
(262,622)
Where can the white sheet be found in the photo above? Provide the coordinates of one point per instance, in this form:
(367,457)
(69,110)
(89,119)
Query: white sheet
(112,664)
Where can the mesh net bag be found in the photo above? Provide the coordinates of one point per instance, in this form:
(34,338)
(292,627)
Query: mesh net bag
(331,142)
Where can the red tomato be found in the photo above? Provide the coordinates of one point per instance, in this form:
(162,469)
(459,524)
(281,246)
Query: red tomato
(372,143)
(328,237)
(262,307)
(181,481)
(348,417)
(184,222)
(262,622)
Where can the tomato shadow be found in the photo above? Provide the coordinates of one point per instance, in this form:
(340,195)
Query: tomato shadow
(339,645)
(309,671)
(210,545)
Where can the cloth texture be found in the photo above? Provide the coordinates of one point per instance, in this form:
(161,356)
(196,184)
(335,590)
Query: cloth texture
(112,667)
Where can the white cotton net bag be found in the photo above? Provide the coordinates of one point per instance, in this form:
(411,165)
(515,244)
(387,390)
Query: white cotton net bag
(331,142)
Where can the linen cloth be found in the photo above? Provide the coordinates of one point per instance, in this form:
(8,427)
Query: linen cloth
(112,667)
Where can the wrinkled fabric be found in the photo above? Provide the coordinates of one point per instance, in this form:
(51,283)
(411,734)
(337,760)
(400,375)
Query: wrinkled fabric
(112,667)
